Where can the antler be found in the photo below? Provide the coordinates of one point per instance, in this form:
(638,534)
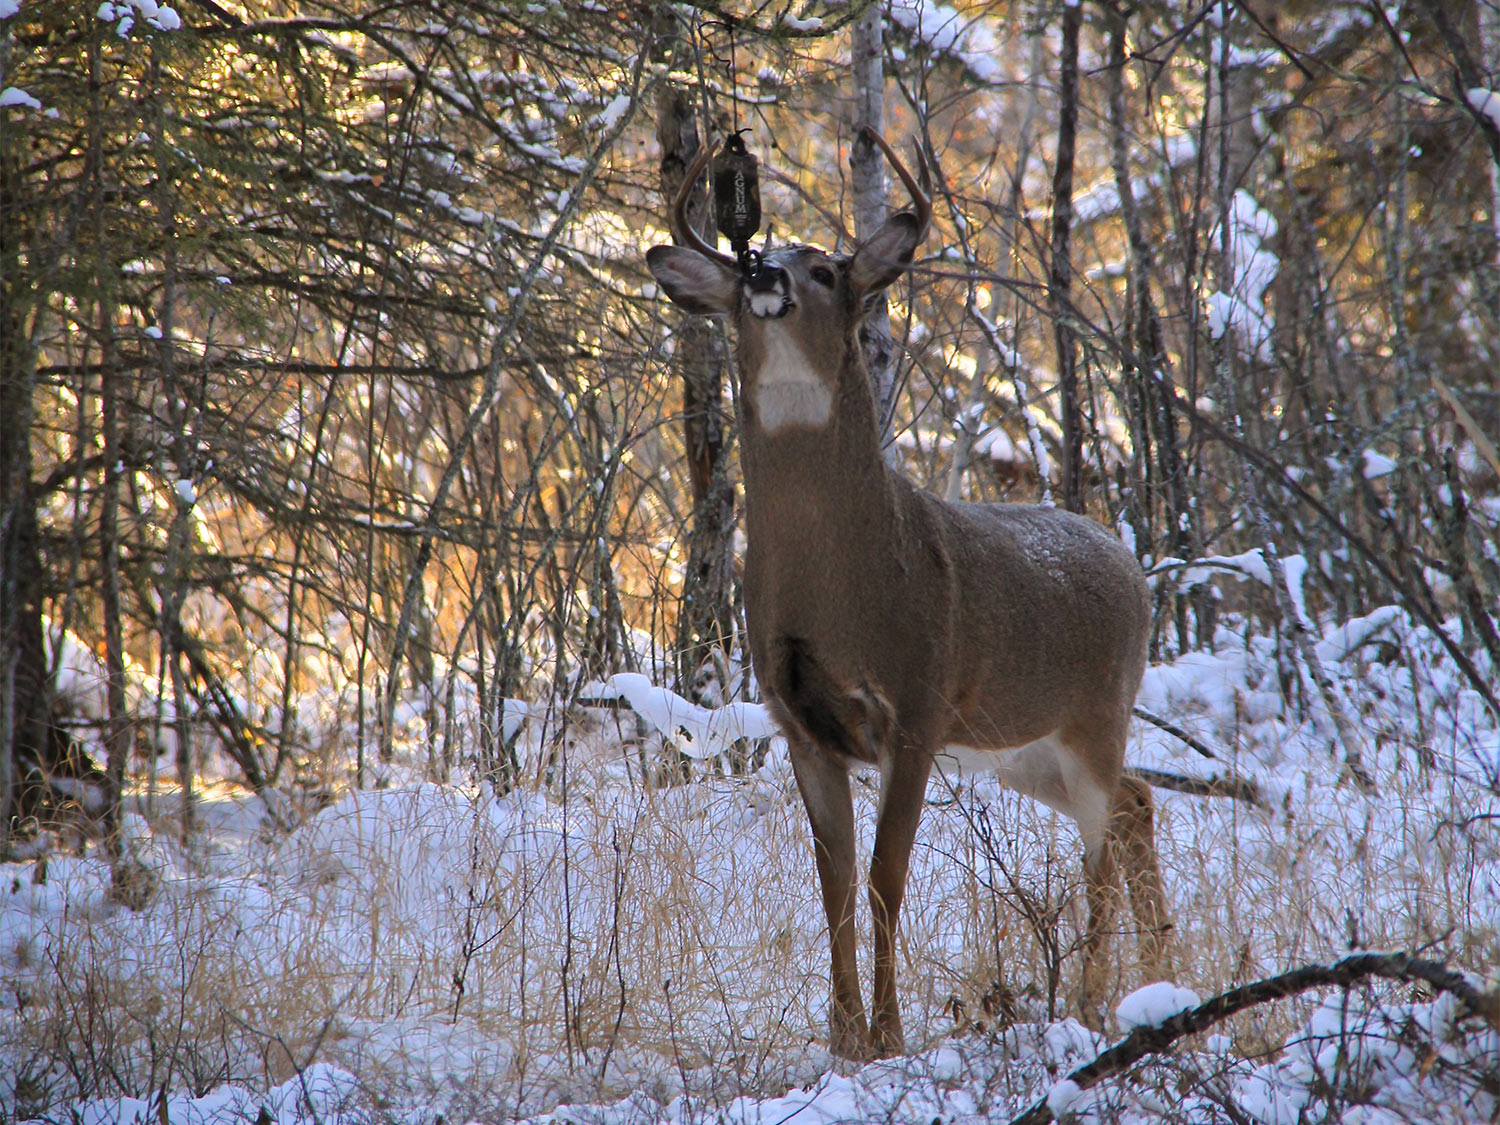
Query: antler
(682,228)
(686,234)
(921,203)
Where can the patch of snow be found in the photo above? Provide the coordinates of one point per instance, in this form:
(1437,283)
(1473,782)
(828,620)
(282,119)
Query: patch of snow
(1220,313)
(1376,465)
(608,117)
(1155,1004)
(1486,102)
(969,40)
(796,23)
(14,95)
(1062,1096)
(1294,570)
(1239,305)
(1185,576)
(997,446)
(1343,641)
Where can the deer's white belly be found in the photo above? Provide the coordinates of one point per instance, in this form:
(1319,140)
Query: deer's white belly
(788,391)
(1045,770)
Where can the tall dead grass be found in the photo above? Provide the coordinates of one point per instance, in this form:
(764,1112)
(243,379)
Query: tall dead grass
(603,937)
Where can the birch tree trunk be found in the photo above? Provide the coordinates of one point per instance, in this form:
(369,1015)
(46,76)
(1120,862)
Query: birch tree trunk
(867,179)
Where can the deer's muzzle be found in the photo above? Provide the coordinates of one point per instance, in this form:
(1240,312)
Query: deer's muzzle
(768,292)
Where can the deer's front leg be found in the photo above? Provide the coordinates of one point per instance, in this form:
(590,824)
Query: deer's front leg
(824,783)
(903,786)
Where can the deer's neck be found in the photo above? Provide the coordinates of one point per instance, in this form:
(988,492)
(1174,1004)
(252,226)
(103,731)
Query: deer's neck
(787,392)
(814,475)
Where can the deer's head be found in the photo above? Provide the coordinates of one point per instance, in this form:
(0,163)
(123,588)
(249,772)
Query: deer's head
(794,311)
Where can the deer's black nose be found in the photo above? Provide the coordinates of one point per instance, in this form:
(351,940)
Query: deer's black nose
(767,279)
(768,292)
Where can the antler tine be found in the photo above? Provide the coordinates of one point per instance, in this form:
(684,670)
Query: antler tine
(682,227)
(921,202)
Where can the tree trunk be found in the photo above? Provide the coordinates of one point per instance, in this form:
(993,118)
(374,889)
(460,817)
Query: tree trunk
(705,619)
(1060,271)
(867,179)
(130,883)
(22,666)
(25,718)
(1233,92)
(117,729)
(179,410)
(1162,474)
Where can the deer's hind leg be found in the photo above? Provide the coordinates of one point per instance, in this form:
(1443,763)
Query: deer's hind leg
(1133,827)
(1124,837)
(1076,773)
(1102,894)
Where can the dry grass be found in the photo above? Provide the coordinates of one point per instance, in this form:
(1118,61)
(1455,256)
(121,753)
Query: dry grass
(605,937)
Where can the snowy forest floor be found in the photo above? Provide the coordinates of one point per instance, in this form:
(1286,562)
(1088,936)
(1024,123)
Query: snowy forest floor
(597,949)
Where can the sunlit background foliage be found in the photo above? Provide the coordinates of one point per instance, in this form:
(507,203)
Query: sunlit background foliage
(337,408)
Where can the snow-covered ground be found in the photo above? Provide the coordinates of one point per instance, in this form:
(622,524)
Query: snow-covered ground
(598,949)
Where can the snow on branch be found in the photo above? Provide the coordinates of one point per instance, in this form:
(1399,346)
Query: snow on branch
(1154,1036)
(945,31)
(1239,303)
(1486,103)
(706,731)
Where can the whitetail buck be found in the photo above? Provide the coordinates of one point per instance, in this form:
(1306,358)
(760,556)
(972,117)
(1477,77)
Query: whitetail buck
(891,629)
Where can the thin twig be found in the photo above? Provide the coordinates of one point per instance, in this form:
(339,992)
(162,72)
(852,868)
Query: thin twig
(1175,731)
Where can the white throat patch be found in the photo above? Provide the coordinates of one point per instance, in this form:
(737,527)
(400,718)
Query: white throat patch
(788,391)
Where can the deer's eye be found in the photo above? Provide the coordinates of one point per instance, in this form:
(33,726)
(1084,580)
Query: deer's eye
(823,276)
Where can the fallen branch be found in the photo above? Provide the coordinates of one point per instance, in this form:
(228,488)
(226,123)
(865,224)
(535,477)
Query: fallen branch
(1155,1038)
(1235,788)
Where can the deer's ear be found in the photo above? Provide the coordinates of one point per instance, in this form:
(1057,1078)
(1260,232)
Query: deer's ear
(886,255)
(698,284)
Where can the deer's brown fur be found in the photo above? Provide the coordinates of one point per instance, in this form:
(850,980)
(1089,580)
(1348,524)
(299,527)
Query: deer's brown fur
(890,628)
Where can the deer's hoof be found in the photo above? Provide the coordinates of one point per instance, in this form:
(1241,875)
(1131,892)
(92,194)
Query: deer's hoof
(886,1039)
(849,1037)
